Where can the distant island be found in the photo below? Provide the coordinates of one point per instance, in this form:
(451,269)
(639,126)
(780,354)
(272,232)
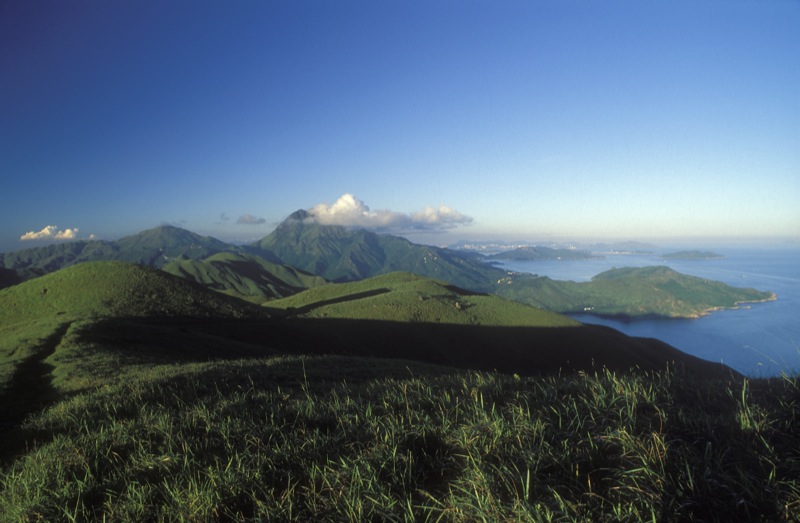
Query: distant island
(541,253)
(692,255)
(641,292)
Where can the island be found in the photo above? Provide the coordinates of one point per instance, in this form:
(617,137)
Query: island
(630,293)
(537,253)
(692,255)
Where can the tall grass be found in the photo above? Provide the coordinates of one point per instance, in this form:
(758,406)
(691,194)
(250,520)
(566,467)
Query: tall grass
(346,439)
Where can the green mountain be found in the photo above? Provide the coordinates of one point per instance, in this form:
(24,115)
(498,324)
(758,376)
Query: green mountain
(340,254)
(205,260)
(158,246)
(28,263)
(155,247)
(244,276)
(631,292)
(541,253)
(114,289)
(266,269)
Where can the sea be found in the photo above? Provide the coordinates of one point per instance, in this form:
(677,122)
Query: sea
(759,340)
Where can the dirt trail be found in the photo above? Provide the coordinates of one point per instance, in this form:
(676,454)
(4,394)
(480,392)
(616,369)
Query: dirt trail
(31,390)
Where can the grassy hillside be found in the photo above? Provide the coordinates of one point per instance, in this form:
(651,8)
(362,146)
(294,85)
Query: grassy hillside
(401,315)
(407,297)
(33,313)
(112,289)
(134,395)
(353,439)
(631,292)
(248,277)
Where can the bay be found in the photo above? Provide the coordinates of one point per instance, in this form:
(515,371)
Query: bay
(758,340)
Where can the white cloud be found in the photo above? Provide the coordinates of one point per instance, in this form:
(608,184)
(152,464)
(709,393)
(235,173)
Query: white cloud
(67,234)
(51,232)
(349,211)
(44,234)
(249,219)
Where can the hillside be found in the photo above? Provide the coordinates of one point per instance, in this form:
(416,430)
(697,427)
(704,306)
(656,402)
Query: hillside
(283,262)
(79,326)
(141,315)
(340,254)
(251,278)
(630,292)
(401,315)
(132,394)
(406,297)
(355,439)
(29,263)
(114,289)
(154,247)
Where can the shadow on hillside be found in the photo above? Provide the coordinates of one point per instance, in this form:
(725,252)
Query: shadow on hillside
(30,390)
(521,350)
(342,299)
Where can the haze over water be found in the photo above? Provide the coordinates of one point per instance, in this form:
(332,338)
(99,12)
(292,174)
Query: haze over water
(759,340)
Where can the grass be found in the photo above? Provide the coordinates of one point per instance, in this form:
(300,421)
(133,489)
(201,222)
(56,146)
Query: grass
(32,311)
(247,277)
(355,439)
(406,297)
(111,410)
(630,292)
(98,289)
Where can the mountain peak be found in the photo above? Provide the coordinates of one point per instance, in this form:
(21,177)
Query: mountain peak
(299,215)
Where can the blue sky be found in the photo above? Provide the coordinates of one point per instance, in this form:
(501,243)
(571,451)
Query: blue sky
(436,120)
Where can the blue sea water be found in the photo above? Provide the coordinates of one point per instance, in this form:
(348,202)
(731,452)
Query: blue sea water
(758,340)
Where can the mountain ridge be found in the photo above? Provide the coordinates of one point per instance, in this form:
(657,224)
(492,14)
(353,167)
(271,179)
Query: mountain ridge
(341,254)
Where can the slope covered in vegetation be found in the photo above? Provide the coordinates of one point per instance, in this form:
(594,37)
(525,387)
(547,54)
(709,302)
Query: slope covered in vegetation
(131,394)
(248,277)
(630,292)
(343,439)
(76,298)
(113,289)
(287,260)
(407,297)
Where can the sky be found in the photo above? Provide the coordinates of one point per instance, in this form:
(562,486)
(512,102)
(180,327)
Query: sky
(536,120)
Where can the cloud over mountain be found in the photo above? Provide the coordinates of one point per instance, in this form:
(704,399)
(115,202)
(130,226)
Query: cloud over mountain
(51,232)
(351,212)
